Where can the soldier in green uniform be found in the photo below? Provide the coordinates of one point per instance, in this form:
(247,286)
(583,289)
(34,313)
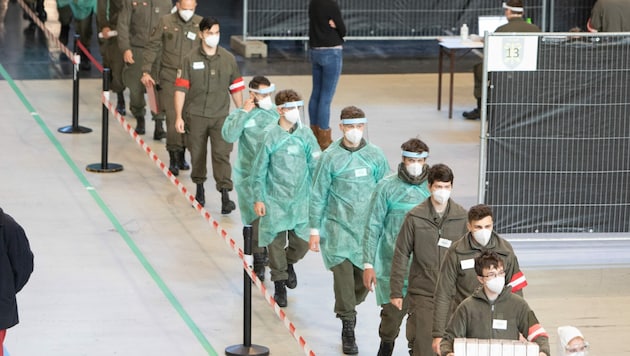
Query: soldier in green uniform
(173,38)
(136,22)
(208,77)
(107,21)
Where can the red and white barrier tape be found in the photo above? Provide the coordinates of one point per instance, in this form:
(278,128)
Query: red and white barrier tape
(247,260)
(47,32)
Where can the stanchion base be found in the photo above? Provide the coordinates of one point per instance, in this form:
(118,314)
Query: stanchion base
(109,168)
(72,129)
(253,350)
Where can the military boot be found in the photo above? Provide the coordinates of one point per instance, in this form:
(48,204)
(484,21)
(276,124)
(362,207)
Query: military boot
(173,165)
(259,266)
(181,161)
(386,348)
(292,280)
(140,125)
(280,294)
(159,132)
(120,104)
(200,195)
(226,204)
(348,341)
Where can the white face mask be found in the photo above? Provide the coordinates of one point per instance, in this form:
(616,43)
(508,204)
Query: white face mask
(482,236)
(292,115)
(266,104)
(414,169)
(441,195)
(354,136)
(579,353)
(212,40)
(186,14)
(496,284)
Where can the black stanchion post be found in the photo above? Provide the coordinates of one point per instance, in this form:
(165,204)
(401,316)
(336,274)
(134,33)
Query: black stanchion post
(247,348)
(75,128)
(104,166)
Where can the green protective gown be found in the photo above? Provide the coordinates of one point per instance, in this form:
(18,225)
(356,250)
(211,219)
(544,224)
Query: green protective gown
(391,201)
(342,187)
(282,177)
(248,129)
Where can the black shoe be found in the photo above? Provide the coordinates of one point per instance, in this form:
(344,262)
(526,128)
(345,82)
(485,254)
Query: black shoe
(200,195)
(159,132)
(172,166)
(292,280)
(280,294)
(474,114)
(259,266)
(348,341)
(386,348)
(120,105)
(140,126)
(226,204)
(183,165)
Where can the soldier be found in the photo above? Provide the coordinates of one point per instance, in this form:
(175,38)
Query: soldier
(107,21)
(209,76)
(174,37)
(136,22)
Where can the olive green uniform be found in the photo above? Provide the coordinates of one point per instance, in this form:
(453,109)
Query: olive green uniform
(208,82)
(170,42)
(136,22)
(107,16)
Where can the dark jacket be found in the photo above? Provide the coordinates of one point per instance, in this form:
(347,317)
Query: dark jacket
(320,34)
(16,265)
(420,234)
(476,317)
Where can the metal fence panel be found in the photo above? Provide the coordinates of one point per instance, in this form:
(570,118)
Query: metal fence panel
(557,146)
(377,19)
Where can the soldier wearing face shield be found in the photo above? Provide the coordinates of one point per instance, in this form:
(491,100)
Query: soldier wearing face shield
(571,342)
(247,125)
(394,196)
(457,279)
(346,176)
(281,182)
(424,237)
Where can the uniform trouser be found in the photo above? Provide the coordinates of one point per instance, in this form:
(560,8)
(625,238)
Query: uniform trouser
(478,78)
(283,252)
(255,247)
(131,79)
(391,319)
(174,140)
(199,130)
(113,59)
(82,27)
(420,324)
(349,289)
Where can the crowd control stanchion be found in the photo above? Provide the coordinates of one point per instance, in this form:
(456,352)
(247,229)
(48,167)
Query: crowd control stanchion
(104,166)
(75,128)
(247,348)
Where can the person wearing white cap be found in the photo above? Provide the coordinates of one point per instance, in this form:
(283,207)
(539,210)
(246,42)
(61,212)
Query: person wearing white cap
(571,342)
(514,13)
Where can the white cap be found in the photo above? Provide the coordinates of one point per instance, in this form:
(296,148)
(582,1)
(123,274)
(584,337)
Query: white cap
(568,333)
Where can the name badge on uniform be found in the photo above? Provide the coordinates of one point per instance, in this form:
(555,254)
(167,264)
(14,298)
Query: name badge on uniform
(499,324)
(250,123)
(446,243)
(360,172)
(293,149)
(191,36)
(198,65)
(157,10)
(468,264)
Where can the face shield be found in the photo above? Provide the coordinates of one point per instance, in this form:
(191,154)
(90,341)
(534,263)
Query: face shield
(414,162)
(293,112)
(354,130)
(262,96)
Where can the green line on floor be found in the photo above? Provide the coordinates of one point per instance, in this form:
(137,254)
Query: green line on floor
(112,218)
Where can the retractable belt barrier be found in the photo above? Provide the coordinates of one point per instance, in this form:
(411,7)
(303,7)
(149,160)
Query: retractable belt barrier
(247,260)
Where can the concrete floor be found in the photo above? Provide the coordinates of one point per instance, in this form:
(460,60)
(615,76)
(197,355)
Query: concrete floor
(125,266)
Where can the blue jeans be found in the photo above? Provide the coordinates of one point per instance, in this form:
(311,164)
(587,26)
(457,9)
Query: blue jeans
(327,64)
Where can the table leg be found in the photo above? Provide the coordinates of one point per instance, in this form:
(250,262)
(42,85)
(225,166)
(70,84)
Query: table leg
(441,56)
(451,55)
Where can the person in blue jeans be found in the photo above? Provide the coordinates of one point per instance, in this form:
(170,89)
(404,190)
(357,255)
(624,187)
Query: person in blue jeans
(326,32)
